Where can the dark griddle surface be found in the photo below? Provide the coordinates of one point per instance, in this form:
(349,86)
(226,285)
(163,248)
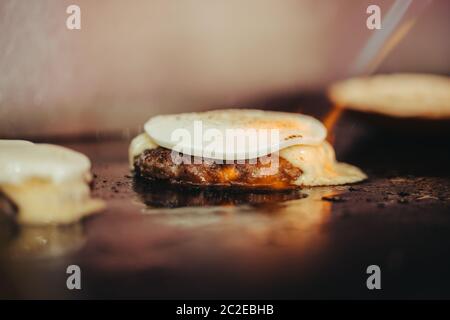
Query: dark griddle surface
(252,246)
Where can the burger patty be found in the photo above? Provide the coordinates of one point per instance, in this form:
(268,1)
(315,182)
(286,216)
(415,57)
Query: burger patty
(157,164)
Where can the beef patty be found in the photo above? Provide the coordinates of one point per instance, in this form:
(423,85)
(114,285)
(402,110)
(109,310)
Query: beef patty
(157,164)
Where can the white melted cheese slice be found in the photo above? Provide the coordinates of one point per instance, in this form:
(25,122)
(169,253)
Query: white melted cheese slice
(48,183)
(22,160)
(234,134)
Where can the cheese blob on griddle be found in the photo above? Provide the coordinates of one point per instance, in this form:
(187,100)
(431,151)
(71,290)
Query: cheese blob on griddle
(305,158)
(46,183)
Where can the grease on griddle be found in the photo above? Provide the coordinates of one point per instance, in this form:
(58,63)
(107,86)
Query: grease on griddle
(334,199)
(395,191)
(160,194)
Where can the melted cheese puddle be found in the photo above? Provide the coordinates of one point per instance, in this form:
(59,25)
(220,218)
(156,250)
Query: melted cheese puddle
(319,166)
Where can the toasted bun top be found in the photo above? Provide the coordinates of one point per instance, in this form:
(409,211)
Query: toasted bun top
(398,95)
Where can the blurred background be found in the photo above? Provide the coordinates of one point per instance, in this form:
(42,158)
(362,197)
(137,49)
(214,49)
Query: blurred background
(134,59)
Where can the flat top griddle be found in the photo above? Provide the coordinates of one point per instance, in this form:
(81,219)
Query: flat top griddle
(162,242)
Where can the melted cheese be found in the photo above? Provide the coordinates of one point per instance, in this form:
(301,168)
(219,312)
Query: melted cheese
(44,202)
(48,183)
(234,134)
(20,161)
(319,166)
(397,95)
(138,145)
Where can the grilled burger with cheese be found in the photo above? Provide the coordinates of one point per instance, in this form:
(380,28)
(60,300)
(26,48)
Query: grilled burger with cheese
(239,148)
(44,183)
